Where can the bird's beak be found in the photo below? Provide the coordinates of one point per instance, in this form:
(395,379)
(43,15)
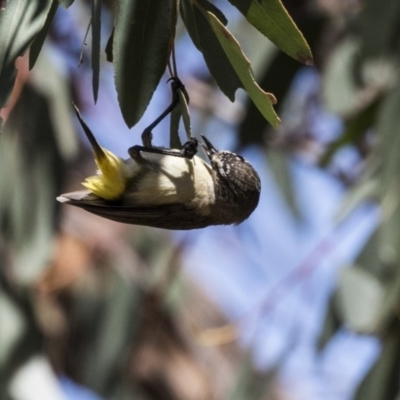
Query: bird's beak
(208,148)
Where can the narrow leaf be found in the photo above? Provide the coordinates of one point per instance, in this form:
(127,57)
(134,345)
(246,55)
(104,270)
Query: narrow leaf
(96,37)
(37,44)
(186,11)
(188,15)
(241,64)
(109,47)
(140,51)
(206,5)
(183,105)
(20,22)
(174,140)
(272,20)
(382,381)
(355,129)
(207,42)
(359,299)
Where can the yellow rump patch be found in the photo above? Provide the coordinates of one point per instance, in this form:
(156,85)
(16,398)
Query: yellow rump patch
(110,181)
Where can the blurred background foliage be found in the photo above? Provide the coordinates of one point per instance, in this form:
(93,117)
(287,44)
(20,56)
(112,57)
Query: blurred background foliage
(108,306)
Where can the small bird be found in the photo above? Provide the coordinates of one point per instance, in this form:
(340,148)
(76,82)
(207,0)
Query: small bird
(169,188)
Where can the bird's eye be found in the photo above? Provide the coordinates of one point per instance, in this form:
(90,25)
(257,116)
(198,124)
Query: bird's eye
(240,157)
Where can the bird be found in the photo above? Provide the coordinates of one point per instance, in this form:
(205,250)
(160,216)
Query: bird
(169,188)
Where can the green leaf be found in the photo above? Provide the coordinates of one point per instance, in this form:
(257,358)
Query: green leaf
(251,384)
(20,22)
(241,64)
(359,299)
(183,105)
(277,76)
(339,88)
(143,30)
(206,5)
(205,39)
(272,20)
(382,381)
(330,326)
(37,44)
(356,127)
(279,163)
(106,353)
(66,3)
(109,47)
(387,124)
(96,36)
(374,18)
(174,140)
(188,17)
(186,12)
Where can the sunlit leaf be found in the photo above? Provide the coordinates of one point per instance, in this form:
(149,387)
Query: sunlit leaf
(240,63)
(271,19)
(140,52)
(205,39)
(206,5)
(359,299)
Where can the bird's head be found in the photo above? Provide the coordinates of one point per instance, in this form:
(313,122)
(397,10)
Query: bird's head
(237,184)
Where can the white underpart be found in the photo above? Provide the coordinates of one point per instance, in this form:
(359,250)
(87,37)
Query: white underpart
(178,180)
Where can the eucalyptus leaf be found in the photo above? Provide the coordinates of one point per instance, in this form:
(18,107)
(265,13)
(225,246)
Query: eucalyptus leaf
(183,105)
(205,39)
(175,142)
(96,38)
(387,126)
(279,164)
(382,381)
(206,5)
(272,20)
(142,36)
(240,63)
(105,356)
(20,22)
(12,326)
(376,17)
(186,11)
(359,299)
(251,384)
(109,47)
(37,44)
(355,129)
(338,83)
(331,325)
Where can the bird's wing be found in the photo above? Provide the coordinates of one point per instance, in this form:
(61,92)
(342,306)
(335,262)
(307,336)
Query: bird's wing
(169,216)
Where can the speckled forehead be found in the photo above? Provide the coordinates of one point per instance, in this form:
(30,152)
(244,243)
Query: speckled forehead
(225,160)
(227,157)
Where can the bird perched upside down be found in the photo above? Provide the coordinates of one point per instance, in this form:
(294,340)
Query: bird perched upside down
(169,188)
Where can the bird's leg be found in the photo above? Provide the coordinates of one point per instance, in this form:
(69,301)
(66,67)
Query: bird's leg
(176,85)
(189,149)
